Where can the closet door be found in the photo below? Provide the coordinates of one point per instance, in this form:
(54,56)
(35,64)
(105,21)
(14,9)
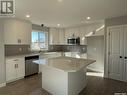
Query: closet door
(125,54)
(116,53)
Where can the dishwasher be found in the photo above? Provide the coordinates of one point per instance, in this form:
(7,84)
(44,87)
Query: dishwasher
(31,68)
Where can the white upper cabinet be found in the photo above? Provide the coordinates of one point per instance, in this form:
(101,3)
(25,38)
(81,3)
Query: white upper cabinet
(17,31)
(56,36)
(61,36)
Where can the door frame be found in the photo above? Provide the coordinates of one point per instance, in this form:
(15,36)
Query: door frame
(106,67)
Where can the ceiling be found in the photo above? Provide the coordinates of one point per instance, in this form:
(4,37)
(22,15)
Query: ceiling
(69,13)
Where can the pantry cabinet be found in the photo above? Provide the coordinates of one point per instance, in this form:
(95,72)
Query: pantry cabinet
(17,31)
(15,69)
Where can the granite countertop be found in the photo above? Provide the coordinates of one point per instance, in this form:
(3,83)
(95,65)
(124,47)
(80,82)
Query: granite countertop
(22,55)
(66,64)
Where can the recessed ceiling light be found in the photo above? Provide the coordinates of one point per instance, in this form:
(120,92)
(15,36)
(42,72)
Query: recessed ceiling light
(88,18)
(60,0)
(27,16)
(58,25)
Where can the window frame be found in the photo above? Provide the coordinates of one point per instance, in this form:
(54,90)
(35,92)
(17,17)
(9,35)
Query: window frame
(46,40)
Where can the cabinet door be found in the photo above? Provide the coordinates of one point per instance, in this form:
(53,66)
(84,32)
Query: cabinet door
(68,54)
(20,70)
(17,32)
(54,36)
(116,53)
(10,32)
(10,70)
(24,32)
(61,36)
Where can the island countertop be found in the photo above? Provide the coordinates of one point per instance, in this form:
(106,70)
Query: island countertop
(66,64)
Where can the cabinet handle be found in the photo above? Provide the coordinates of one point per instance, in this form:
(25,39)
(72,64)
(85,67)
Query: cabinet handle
(125,57)
(121,57)
(16,60)
(15,66)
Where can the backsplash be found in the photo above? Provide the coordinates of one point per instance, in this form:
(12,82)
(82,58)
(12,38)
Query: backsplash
(11,50)
(68,48)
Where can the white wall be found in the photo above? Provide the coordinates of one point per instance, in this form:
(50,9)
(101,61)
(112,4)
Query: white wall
(2,64)
(95,50)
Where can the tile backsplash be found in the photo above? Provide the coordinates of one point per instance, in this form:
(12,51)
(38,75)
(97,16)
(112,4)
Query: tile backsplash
(68,48)
(11,50)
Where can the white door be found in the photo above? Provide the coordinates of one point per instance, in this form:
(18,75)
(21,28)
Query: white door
(116,52)
(125,55)
(20,70)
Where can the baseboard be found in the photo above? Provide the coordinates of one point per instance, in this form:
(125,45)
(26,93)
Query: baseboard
(2,85)
(97,70)
(14,79)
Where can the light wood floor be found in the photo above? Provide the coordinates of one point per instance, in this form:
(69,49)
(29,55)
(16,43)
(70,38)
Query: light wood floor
(95,86)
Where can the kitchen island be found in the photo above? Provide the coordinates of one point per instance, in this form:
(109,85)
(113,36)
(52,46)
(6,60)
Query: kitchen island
(64,75)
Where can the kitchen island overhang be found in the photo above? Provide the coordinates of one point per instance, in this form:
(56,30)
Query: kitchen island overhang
(64,75)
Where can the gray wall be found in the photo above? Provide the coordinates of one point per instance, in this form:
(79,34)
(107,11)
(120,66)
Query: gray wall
(2,62)
(95,50)
(116,21)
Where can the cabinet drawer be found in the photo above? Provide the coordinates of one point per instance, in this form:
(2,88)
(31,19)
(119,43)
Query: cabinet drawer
(14,60)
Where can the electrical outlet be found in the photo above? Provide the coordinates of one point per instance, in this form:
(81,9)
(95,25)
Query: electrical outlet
(20,49)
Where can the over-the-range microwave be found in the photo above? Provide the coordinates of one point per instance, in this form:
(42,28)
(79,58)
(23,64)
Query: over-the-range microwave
(73,41)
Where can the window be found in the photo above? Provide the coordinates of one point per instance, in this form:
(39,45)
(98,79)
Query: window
(39,40)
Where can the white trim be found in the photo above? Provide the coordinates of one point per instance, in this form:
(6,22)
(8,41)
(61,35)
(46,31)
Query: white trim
(106,75)
(15,79)
(2,85)
(94,69)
